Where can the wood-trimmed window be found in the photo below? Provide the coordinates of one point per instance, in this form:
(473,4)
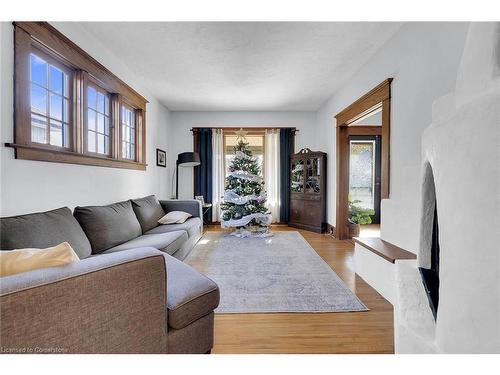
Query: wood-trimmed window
(68,108)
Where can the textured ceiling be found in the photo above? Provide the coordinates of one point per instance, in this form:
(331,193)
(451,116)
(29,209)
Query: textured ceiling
(243,66)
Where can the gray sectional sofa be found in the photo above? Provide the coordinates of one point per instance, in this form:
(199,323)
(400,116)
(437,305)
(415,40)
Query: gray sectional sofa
(129,293)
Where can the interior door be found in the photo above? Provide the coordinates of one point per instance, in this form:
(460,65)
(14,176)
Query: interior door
(364,172)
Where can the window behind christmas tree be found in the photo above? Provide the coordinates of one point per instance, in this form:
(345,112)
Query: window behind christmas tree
(256,145)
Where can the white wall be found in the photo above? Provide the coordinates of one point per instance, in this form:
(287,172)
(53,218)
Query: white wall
(181,139)
(461,150)
(29,186)
(423,59)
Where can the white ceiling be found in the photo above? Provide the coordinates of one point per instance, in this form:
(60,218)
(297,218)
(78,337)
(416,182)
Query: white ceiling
(232,66)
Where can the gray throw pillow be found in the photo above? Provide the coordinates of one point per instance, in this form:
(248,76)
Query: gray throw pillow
(148,211)
(108,226)
(42,230)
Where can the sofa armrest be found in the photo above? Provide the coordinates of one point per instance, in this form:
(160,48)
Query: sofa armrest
(191,206)
(109,303)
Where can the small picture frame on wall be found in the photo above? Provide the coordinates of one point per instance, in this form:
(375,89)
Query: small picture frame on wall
(161,158)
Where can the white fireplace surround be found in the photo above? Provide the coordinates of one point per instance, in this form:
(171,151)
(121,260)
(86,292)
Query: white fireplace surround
(461,173)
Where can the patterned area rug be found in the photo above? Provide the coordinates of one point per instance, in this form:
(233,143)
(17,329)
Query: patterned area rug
(282,273)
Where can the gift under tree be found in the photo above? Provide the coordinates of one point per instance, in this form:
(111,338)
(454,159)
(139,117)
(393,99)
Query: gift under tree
(244,197)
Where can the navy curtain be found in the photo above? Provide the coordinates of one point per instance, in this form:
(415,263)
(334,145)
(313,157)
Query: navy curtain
(203,172)
(286,150)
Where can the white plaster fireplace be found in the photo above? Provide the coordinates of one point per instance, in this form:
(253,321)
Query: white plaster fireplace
(461,180)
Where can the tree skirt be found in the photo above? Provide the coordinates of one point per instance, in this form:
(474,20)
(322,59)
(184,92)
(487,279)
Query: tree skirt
(282,273)
(264,219)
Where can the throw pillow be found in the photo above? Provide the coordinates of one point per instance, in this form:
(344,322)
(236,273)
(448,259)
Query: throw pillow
(148,211)
(24,260)
(174,217)
(108,226)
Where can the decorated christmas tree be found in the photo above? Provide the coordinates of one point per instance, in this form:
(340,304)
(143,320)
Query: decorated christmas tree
(245,196)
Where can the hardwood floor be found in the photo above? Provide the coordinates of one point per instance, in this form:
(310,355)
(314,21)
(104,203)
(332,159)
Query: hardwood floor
(343,332)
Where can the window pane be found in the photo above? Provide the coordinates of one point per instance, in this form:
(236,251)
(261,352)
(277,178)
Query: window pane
(56,133)
(106,125)
(66,110)
(100,102)
(132,120)
(56,109)
(124,149)
(38,99)
(56,80)
(106,105)
(132,135)
(38,68)
(91,120)
(66,86)
(106,145)
(91,141)
(66,135)
(91,97)
(100,123)
(100,144)
(38,129)
(132,151)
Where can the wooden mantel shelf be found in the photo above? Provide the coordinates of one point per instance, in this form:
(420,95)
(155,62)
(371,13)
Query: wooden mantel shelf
(384,249)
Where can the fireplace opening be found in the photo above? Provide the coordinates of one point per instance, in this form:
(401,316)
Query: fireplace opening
(429,240)
(430,276)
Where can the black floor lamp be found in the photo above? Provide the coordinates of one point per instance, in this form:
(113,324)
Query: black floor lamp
(185,159)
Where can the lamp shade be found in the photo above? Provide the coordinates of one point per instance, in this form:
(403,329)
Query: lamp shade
(188,159)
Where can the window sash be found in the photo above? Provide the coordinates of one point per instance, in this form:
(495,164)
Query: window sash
(94,133)
(65,121)
(128,136)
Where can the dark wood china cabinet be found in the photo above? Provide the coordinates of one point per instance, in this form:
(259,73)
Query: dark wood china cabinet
(308,190)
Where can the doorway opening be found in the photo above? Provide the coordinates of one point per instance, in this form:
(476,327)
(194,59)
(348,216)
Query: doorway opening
(364,175)
(363,131)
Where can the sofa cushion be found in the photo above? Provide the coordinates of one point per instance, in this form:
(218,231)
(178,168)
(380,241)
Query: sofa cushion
(190,295)
(192,226)
(108,226)
(42,230)
(148,211)
(166,242)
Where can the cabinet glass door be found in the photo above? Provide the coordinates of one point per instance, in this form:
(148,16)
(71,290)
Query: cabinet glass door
(313,175)
(297,176)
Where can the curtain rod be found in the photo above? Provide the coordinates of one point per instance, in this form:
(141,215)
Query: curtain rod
(242,127)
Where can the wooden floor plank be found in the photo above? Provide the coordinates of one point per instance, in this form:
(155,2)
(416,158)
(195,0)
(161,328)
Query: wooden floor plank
(342,332)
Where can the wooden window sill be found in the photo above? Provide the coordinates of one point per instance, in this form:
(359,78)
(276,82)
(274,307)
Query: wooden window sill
(40,153)
(384,249)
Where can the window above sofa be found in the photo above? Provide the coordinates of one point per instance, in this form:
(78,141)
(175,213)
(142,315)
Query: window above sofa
(68,108)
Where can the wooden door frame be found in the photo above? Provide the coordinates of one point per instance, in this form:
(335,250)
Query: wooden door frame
(378,97)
